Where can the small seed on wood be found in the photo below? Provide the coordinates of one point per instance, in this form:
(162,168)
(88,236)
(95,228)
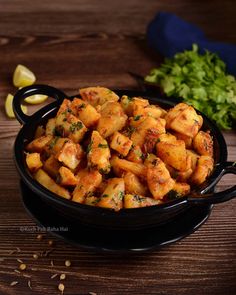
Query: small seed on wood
(92,293)
(61,288)
(62,276)
(67,263)
(14,283)
(51,262)
(39,237)
(16,270)
(22,266)
(50,243)
(35,256)
(53,276)
(19,260)
(29,284)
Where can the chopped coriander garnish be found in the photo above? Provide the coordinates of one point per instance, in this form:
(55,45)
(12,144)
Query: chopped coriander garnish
(76,126)
(172,195)
(89,146)
(136,118)
(104,196)
(103,145)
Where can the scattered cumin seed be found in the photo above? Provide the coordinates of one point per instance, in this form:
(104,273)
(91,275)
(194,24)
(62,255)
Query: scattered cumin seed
(39,237)
(19,260)
(16,270)
(50,242)
(34,269)
(12,252)
(51,262)
(67,263)
(62,276)
(35,256)
(22,266)
(53,276)
(14,283)
(92,293)
(29,284)
(61,288)
(18,249)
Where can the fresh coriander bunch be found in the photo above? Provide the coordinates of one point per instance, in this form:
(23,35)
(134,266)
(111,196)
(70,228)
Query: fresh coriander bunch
(201,81)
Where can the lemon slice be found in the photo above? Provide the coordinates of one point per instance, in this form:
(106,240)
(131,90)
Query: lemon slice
(23,76)
(35,99)
(9,109)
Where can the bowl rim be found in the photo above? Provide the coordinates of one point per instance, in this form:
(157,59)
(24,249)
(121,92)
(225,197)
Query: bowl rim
(46,111)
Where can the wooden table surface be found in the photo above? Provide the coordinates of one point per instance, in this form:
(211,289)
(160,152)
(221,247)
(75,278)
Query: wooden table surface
(75,43)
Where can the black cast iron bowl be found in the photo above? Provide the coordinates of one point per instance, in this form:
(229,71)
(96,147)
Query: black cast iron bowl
(125,219)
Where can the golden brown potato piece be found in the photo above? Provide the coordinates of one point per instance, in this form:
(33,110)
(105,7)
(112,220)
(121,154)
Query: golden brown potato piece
(52,166)
(139,135)
(174,154)
(91,200)
(149,110)
(112,196)
(187,139)
(194,158)
(112,119)
(166,137)
(67,125)
(88,181)
(130,103)
(136,201)
(55,145)
(85,112)
(40,131)
(70,154)
(133,185)
(120,143)
(99,153)
(182,188)
(203,170)
(38,144)
(203,144)
(44,179)
(122,164)
(98,95)
(33,161)
(184,119)
(135,155)
(50,126)
(66,177)
(158,179)
(151,139)
(64,107)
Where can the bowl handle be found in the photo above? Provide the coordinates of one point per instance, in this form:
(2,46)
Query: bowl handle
(31,90)
(214,198)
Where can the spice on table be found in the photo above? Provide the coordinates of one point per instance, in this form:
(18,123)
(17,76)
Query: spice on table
(19,260)
(29,284)
(50,243)
(14,283)
(22,266)
(53,276)
(67,263)
(39,237)
(61,288)
(35,256)
(62,276)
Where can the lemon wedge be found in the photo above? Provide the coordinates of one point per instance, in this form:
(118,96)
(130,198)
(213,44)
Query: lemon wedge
(35,99)
(23,76)
(9,109)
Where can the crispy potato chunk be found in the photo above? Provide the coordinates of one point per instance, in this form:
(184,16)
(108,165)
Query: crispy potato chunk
(139,135)
(112,119)
(133,185)
(99,153)
(184,119)
(135,155)
(38,144)
(136,168)
(203,170)
(113,194)
(91,200)
(66,177)
(64,107)
(187,139)
(149,110)
(166,137)
(130,103)
(136,201)
(52,166)
(40,131)
(50,126)
(193,157)
(67,125)
(174,154)
(88,181)
(70,154)
(203,144)
(158,179)
(33,161)
(120,143)
(44,179)
(85,112)
(98,95)
(182,188)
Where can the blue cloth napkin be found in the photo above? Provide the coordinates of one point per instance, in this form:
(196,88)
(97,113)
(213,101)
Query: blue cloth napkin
(169,34)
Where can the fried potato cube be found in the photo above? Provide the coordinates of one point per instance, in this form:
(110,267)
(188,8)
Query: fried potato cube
(203,170)
(166,137)
(44,179)
(133,185)
(91,200)
(203,144)
(85,112)
(55,145)
(38,144)
(136,168)
(40,131)
(50,126)
(187,139)
(136,201)
(184,119)
(98,95)
(193,157)
(158,179)
(52,166)
(182,188)
(33,161)
(149,110)
(139,135)
(99,153)
(70,154)
(130,103)
(135,154)
(113,194)
(64,107)
(112,119)
(67,177)
(88,181)
(151,139)
(174,154)
(120,143)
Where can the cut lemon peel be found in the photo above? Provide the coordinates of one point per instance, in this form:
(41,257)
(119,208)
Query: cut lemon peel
(23,76)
